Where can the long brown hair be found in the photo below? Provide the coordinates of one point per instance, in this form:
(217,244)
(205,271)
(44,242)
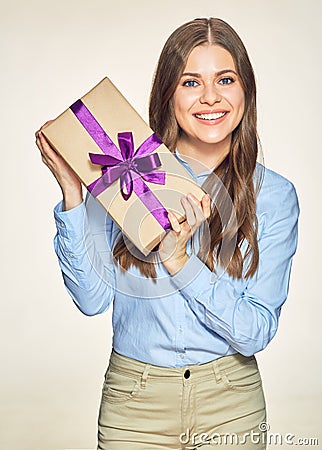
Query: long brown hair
(233,219)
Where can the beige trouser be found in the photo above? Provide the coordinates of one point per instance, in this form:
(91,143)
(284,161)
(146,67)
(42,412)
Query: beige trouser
(146,407)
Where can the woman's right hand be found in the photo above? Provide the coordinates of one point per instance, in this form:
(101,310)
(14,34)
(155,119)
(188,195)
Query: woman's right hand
(67,179)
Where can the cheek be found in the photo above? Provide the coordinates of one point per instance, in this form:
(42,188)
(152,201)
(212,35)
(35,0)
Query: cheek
(183,101)
(239,100)
(176,105)
(179,111)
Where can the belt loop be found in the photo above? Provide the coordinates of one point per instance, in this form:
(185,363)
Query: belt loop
(145,375)
(216,368)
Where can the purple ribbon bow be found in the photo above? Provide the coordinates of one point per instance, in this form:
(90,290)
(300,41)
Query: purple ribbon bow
(129,166)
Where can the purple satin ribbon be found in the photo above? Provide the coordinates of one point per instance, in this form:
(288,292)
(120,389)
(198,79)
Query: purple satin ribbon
(131,167)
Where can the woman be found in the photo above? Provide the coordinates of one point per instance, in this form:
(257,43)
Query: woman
(188,320)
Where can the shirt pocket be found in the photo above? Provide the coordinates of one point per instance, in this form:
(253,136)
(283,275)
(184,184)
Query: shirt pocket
(120,387)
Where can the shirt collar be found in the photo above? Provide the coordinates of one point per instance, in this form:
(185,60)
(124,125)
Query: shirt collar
(202,175)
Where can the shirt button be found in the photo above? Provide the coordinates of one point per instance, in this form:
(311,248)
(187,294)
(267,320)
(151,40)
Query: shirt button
(62,224)
(187,374)
(70,255)
(180,330)
(181,355)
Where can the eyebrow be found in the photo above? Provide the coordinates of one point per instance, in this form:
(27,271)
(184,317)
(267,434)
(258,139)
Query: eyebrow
(198,75)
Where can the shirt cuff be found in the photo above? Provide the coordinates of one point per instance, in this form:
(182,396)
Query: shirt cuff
(70,223)
(194,277)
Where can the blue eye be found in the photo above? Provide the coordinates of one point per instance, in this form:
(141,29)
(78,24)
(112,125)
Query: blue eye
(190,83)
(226,80)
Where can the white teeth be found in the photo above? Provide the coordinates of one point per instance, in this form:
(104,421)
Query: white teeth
(212,116)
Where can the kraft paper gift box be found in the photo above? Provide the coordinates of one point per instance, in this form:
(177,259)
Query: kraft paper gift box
(122,163)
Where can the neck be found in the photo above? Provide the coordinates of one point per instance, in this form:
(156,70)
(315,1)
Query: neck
(203,156)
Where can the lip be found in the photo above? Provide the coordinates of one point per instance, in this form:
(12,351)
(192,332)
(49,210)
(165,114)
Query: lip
(214,121)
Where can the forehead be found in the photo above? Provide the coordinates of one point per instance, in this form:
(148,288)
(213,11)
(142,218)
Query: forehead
(209,59)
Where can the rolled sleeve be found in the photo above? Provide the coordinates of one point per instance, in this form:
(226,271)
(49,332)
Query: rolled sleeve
(246,312)
(68,222)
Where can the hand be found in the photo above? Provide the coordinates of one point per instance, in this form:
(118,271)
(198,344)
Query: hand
(172,248)
(67,179)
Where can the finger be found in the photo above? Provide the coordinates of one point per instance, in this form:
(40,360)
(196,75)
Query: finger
(39,135)
(189,212)
(202,209)
(46,159)
(42,139)
(46,148)
(37,132)
(38,142)
(206,206)
(46,145)
(174,222)
(47,123)
(42,127)
(197,209)
(39,145)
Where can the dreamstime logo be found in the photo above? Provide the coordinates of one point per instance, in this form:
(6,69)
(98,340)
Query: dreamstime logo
(262,436)
(100,234)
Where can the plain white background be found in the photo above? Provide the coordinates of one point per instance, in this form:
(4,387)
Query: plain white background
(52,357)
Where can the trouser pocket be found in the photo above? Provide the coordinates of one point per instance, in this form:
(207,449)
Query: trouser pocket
(120,387)
(242,376)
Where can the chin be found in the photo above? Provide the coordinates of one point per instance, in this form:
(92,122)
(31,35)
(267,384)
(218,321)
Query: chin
(211,140)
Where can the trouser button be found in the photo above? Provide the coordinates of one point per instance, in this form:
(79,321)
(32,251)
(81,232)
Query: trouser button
(187,374)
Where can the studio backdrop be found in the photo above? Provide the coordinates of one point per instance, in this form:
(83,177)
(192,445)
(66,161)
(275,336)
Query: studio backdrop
(53,358)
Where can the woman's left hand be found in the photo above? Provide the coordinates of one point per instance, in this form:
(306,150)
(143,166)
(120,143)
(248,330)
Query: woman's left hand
(172,248)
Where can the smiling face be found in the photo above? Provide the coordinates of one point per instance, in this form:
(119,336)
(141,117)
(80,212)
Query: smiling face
(209,100)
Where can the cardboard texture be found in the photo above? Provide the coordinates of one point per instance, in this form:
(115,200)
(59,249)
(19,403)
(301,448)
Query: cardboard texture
(113,112)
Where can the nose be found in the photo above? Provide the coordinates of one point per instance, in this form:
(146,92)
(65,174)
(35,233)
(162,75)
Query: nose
(210,95)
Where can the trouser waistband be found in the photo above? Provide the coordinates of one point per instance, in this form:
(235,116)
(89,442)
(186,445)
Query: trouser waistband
(196,371)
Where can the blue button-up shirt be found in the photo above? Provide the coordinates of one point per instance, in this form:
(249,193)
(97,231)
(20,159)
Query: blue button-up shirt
(194,316)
